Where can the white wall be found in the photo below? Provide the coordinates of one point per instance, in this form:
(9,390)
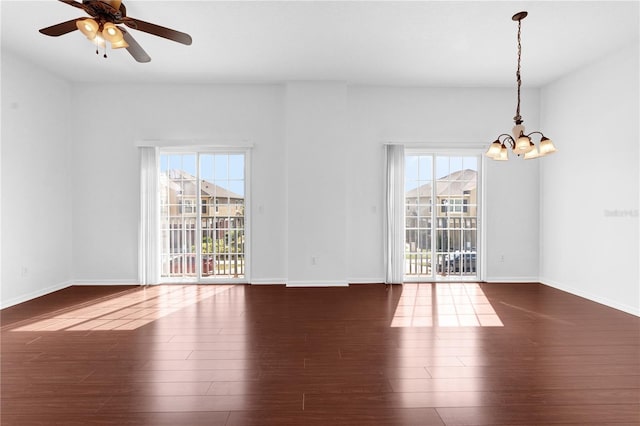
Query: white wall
(36,182)
(593,116)
(431,117)
(317,171)
(105,166)
(315,135)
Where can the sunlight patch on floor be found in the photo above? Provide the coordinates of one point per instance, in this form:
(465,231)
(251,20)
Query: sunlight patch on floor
(129,311)
(444,305)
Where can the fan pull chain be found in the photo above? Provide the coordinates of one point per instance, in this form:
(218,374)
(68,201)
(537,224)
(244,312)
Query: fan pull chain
(98,48)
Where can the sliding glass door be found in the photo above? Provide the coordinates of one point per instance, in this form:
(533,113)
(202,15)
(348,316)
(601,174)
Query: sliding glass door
(202,216)
(441,217)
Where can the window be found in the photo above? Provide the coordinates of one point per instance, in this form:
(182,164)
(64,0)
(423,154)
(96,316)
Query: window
(456,205)
(188,207)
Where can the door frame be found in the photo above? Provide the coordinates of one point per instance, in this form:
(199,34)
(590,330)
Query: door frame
(198,151)
(480,214)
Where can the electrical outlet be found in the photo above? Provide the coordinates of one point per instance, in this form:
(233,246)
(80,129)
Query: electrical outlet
(24,271)
(502,258)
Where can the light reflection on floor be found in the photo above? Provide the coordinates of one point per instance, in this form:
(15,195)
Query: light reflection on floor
(128,311)
(444,305)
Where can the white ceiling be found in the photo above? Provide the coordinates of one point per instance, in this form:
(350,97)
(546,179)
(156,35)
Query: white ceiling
(432,43)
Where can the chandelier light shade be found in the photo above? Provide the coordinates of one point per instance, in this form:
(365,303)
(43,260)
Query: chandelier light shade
(518,141)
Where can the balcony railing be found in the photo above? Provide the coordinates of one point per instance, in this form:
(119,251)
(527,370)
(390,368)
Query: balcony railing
(221,265)
(220,240)
(446,263)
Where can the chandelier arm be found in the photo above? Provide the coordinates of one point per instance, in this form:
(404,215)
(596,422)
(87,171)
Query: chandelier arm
(535,133)
(508,139)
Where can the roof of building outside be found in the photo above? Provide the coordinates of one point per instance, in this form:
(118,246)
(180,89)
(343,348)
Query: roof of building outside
(171,178)
(454,184)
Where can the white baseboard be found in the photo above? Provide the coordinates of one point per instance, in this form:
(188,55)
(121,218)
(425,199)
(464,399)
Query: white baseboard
(133,281)
(268,281)
(515,280)
(633,310)
(376,280)
(32,295)
(317,284)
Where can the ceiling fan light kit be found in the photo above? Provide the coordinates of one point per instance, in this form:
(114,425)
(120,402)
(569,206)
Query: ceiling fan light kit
(520,143)
(102,27)
(111,33)
(88,27)
(119,44)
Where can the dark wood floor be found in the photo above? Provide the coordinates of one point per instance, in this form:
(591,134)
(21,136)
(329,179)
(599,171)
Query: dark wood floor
(364,355)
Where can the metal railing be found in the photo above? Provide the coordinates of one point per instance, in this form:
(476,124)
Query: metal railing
(446,263)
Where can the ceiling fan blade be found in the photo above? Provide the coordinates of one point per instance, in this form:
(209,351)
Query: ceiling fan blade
(74,4)
(134,48)
(159,31)
(61,28)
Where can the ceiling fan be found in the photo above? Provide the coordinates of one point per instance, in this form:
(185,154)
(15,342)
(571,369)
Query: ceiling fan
(106,15)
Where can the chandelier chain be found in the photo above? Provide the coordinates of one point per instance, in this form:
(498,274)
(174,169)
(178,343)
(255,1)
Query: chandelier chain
(518,118)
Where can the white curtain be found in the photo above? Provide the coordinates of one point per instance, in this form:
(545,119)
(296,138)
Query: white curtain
(394,214)
(148,241)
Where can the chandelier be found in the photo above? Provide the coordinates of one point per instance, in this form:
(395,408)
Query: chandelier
(519,142)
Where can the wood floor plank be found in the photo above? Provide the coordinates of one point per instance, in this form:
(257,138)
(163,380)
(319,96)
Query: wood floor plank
(338,417)
(215,418)
(532,371)
(54,404)
(222,354)
(514,383)
(46,390)
(542,415)
(99,377)
(496,399)
(193,403)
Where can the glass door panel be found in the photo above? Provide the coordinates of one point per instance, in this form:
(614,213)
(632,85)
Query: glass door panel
(178,201)
(418,215)
(223,230)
